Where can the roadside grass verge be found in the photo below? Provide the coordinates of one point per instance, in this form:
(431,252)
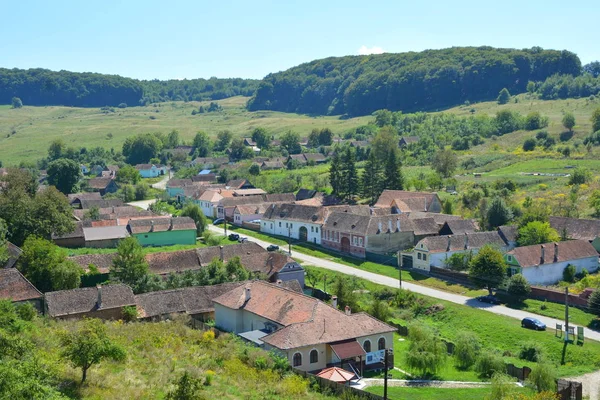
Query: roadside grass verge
(434,393)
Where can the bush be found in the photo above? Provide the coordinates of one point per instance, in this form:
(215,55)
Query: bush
(122,105)
(518,286)
(130,313)
(26,311)
(531,351)
(502,387)
(594,302)
(569,273)
(565,136)
(542,377)
(529,145)
(466,349)
(489,363)
(579,176)
(541,135)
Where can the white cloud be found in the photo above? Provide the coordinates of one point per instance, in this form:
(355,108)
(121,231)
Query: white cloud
(364,50)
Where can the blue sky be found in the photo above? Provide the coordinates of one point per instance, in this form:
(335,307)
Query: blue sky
(225,38)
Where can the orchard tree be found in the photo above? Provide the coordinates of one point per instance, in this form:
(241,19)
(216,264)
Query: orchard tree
(128,175)
(64,174)
(254,170)
(503,96)
(488,269)
(194,212)
(260,136)
(290,141)
(568,121)
(89,345)
(130,265)
(325,137)
(537,232)
(141,148)
(223,140)
(445,162)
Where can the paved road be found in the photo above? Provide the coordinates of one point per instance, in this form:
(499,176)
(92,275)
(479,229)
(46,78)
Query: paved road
(145,204)
(162,184)
(439,294)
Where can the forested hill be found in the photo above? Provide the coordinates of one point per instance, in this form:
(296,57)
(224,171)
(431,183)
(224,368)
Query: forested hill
(41,87)
(359,85)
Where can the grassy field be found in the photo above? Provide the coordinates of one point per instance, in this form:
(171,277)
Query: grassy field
(26,133)
(432,393)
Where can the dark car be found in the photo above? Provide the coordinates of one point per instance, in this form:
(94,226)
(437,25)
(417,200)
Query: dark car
(234,236)
(273,247)
(488,299)
(218,221)
(242,239)
(533,323)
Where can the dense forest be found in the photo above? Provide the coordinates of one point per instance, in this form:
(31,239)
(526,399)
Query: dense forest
(41,87)
(359,85)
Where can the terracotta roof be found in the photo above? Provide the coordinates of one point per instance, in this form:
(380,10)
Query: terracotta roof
(116,212)
(439,219)
(235,201)
(173,261)
(415,201)
(101,203)
(83,300)
(409,139)
(304,194)
(306,320)
(336,374)
(84,196)
(160,224)
(14,286)
(314,157)
(374,225)
(574,228)
(189,300)
(252,209)
(357,210)
(459,226)
(237,183)
(531,256)
(272,165)
(279,197)
(476,240)
(348,349)
(214,161)
(99,183)
(102,261)
(212,196)
(295,212)
(148,166)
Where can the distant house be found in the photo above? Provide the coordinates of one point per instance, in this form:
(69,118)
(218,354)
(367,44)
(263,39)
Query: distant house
(16,288)
(104,302)
(104,236)
(402,201)
(434,251)
(306,158)
(73,239)
(151,170)
(209,162)
(578,229)
(103,185)
(226,206)
(271,165)
(76,198)
(248,142)
(180,151)
(458,226)
(247,213)
(248,192)
(163,231)
(120,214)
(509,234)
(544,264)
(84,169)
(208,202)
(87,203)
(96,170)
(239,184)
(308,332)
(304,194)
(297,221)
(407,140)
(14,252)
(175,187)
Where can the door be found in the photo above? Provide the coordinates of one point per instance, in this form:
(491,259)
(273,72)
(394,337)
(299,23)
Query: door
(345,245)
(303,234)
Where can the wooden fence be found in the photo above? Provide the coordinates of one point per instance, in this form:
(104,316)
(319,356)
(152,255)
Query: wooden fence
(334,388)
(569,390)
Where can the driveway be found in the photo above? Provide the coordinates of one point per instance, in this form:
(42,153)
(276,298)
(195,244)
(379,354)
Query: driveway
(162,184)
(145,204)
(438,294)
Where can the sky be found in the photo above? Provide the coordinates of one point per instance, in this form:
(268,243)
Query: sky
(198,39)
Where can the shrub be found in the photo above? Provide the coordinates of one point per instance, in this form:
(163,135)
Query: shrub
(531,351)
(541,135)
(518,286)
(466,349)
(502,387)
(569,273)
(579,176)
(542,377)
(594,302)
(130,313)
(26,311)
(565,136)
(489,363)
(122,105)
(209,378)
(529,145)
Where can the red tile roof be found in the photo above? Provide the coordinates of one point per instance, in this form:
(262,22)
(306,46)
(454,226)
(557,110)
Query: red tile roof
(14,286)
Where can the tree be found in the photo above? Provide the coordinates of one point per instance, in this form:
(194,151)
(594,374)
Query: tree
(487,268)
(459,261)
(56,149)
(503,96)
(335,173)
(46,266)
(383,118)
(529,144)
(498,213)
(596,120)
(141,191)
(568,121)
(4,254)
(592,68)
(325,137)
(534,120)
(254,170)
(186,388)
(594,302)
(343,288)
(385,141)
(537,232)
(237,148)
(426,351)
(313,138)
(128,175)
(579,176)
(393,178)
(195,213)
(466,349)
(201,144)
(349,174)
(502,387)
(16,102)
(569,273)
(448,207)
(172,139)
(141,148)
(223,140)
(129,266)
(379,309)
(518,286)
(261,138)
(543,377)
(290,141)
(92,213)
(89,345)
(489,363)
(444,162)
(371,179)
(64,174)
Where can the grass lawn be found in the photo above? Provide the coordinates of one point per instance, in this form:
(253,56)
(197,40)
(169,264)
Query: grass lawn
(554,310)
(431,393)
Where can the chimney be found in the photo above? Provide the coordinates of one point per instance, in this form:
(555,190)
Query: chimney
(347,310)
(380,227)
(449,239)
(543,254)
(398,224)
(248,294)
(390,225)
(99,300)
(466,241)
(334,301)
(555,252)
(221,251)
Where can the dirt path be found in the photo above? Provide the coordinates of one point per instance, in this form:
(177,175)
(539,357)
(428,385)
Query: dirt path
(591,384)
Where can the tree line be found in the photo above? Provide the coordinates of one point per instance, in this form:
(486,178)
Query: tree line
(359,85)
(41,87)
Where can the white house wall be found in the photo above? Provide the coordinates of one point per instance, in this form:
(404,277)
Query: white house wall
(549,274)
(273,227)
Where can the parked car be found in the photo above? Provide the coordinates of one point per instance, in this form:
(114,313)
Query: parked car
(242,239)
(488,299)
(273,247)
(234,236)
(218,221)
(533,323)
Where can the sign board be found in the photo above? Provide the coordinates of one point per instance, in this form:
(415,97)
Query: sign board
(375,357)
(580,334)
(571,331)
(558,330)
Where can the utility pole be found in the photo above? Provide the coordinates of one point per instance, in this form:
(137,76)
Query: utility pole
(567,313)
(290,240)
(400,262)
(385,377)
(225,221)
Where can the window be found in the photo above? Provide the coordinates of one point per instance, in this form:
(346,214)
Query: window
(316,229)
(297,360)
(424,257)
(314,356)
(271,226)
(312,228)
(280,224)
(380,344)
(509,258)
(419,256)
(367,346)
(291,226)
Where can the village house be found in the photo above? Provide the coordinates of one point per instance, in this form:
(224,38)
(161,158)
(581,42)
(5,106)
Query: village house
(296,221)
(84,169)
(16,288)
(86,204)
(459,226)
(226,206)
(407,140)
(14,252)
(163,231)
(578,229)
(121,214)
(434,251)
(209,162)
(102,185)
(104,302)
(96,170)
(151,170)
(237,184)
(544,264)
(307,158)
(181,152)
(271,165)
(358,235)
(208,202)
(175,187)
(402,201)
(75,199)
(247,213)
(312,335)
